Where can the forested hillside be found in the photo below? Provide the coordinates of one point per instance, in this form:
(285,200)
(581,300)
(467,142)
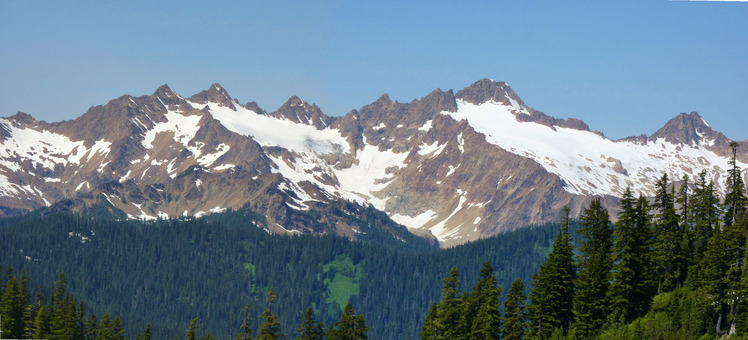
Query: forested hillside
(169,272)
(670,268)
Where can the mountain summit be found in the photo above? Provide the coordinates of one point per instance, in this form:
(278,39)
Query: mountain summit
(452,167)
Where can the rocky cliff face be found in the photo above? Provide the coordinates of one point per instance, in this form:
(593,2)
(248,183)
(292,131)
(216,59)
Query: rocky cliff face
(455,167)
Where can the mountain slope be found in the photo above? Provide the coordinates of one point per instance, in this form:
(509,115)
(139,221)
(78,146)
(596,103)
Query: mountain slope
(456,166)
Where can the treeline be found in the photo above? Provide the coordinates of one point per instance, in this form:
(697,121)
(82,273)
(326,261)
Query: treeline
(672,268)
(61,316)
(57,316)
(170,272)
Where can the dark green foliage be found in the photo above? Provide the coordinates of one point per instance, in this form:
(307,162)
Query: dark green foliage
(631,288)
(704,216)
(735,198)
(350,326)
(270,329)
(669,243)
(309,328)
(246,327)
(448,311)
(552,294)
(591,304)
(680,314)
(480,308)
(192,331)
(430,329)
(515,312)
(169,272)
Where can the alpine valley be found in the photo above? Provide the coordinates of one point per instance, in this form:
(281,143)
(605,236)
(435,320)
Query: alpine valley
(449,167)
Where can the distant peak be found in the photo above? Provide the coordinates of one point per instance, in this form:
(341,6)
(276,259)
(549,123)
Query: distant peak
(164,90)
(294,101)
(384,99)
(22,117)
(485,90)
(685,128)
(214,94)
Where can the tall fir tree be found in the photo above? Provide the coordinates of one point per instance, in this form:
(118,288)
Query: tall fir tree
(480,311)
(705,208)
(309,328)
(736,239)
(12,312)
(713,278)
(350,326)
(448,311)
(246,326)
(591,304)
(630,293)
(668,251)
(735,199)
(515,312)
(270,329)
(430,330)
(551,298)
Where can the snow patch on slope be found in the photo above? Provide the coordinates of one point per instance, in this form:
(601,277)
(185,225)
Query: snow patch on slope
(589,163)
(270,131)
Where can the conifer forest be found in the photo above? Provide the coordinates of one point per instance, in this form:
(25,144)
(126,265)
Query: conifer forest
(672,266)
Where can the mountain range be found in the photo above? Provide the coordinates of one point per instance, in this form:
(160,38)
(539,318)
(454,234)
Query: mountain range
(451,167)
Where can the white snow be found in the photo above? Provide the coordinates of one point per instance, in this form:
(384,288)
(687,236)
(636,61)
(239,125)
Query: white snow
(183,127)
(210,158)
(585,160)
(427,126)
(45,148)
(415,222)
(433,149)
(269,131)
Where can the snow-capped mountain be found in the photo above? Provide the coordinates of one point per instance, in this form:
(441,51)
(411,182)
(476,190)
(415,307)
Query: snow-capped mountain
(456,166)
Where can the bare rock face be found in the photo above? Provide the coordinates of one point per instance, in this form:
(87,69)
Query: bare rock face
(374,171)
(299,111)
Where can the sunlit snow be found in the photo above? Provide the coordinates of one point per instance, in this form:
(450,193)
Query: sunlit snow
(586,161)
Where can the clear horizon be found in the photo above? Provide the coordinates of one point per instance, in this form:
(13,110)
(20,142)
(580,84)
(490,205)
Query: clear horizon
(623,68)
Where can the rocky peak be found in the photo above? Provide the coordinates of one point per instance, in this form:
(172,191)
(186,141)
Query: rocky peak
(486,89)
(22,118)
(384,110)
(299,111)
(166,95)
(254,107)
(214,94)
(687,129)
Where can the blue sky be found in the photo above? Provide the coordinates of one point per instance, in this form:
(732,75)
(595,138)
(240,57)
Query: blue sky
(624,67)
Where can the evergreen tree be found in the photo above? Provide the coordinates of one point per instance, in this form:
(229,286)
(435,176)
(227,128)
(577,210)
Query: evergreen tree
(713,278)
(430,329)
(350,326)
(448,313)
(12,310)
(736,240)
(480,315)
(515,312)
(704,215)
(309,328)
(246,333)
(669,253)
(629,291)
(270,329)
(146,333)
(192,331)
(553,287)
(735,199)
(590,302)
(42,323)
